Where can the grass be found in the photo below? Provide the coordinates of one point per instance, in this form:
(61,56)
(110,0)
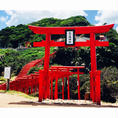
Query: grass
(3,80)
(39,52)
(17,93)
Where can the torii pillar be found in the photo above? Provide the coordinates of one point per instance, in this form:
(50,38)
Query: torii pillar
(93,67)
(46,66)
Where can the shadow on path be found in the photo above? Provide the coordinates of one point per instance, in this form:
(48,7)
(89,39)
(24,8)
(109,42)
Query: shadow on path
(61,104)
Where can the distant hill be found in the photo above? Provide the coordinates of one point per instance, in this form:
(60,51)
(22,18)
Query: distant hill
(14,36)
(54,22)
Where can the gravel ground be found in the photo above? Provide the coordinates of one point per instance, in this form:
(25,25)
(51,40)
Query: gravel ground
(9,100)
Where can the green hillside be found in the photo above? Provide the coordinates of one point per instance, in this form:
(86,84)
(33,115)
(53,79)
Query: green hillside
(18,58)
(12,37)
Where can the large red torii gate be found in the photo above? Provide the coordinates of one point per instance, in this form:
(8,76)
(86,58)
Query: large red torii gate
(92,30)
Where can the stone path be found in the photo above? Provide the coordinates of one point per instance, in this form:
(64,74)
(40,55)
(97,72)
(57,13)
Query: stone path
(9,100)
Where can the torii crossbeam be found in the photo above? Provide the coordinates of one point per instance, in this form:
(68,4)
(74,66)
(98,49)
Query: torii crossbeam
(92,43)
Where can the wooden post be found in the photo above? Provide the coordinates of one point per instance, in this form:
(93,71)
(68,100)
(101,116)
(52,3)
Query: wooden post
(7,84)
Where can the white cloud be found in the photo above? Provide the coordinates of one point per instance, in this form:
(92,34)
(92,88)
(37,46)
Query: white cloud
(25,17)
(3,19)
(109,17)
(117,29)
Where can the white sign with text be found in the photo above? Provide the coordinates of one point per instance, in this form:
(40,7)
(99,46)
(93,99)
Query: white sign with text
(7,72)
(70,37)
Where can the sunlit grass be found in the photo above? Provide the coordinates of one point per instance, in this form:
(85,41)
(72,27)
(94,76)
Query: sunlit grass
(17,93)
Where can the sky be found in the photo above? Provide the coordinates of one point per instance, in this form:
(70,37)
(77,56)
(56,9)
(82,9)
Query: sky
(95,17)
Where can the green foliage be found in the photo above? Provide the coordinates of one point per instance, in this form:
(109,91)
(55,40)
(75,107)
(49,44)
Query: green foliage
(2,80)
(34,69)
(107,56)
(32,53)
(72,21)
(47,22)
(18,58)
(11,58)
(112,36)
(75,21)
(14,36)
(11,92)
(109,84)
(67,55)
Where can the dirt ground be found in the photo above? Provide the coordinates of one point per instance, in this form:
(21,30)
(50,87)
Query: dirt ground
(9,101)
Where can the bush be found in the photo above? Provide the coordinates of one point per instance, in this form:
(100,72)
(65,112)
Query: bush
(2,80)
(109,84)
(11,58)
(34,69)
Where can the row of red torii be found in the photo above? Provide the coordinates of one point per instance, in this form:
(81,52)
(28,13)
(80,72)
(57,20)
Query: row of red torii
(47,75)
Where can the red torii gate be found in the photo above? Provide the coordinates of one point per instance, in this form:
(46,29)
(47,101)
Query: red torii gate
(61,72)
(92,30)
